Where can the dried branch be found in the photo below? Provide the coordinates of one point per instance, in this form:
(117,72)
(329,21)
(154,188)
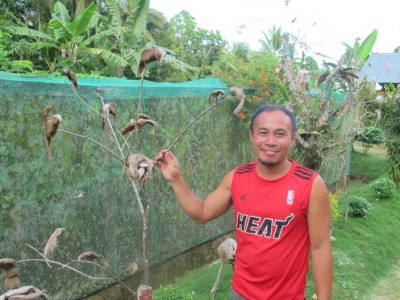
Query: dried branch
(109,273)
(193,121)
(98,94)
(92,140)
(83,101)
(60,264)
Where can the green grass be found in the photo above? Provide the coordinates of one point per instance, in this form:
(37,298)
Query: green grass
(365,250)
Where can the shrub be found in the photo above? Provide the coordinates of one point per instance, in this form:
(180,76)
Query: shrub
(358,206)
(384,188)
(369,137)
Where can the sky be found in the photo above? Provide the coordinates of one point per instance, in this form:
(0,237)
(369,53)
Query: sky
(321,25)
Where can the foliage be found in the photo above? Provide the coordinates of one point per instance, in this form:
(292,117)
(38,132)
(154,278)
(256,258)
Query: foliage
(323,108)
(366,46)
(257,73)
(334,201)
(371,107)
(21,66)
(5,42)
(122,37)
(241,50)
(384,188)
(370,136)
(90,42)
(363,50)
(61,33)
(391,127)
(272,41)
(358,206)
(189,44)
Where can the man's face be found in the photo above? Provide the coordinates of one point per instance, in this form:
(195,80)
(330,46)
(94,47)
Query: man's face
(272,137)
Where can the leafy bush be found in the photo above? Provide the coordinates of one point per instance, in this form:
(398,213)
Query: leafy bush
(369,137)
(358,206)
(384,188)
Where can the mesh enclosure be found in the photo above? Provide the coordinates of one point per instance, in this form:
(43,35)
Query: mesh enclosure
(85,189)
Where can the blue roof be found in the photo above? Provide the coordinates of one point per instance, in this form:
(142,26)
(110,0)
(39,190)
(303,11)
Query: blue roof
(382,68)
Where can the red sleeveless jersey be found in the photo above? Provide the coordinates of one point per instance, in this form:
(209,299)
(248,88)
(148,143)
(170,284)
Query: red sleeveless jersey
(271,232)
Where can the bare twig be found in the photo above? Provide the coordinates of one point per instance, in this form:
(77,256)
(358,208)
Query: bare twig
(109,122)
(60,264)
(92,140)
(83,101)
(107,271)
(193,121)
(139,109)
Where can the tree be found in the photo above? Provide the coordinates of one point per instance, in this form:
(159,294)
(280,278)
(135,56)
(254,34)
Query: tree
(126,21)
(325,123)
(190,45)
(241,50)
(391,129)
(273,40)
(60,35)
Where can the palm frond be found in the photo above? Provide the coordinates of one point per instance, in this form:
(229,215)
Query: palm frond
(115,12)
(81,22)
(61,32)
(31,48)
(23,31)
(61,14)
(137,22)
(155,17)
(99,36)
(109,57)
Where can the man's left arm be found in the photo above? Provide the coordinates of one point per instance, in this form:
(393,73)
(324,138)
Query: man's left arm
(319,222)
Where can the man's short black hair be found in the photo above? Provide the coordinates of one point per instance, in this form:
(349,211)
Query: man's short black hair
(273,107)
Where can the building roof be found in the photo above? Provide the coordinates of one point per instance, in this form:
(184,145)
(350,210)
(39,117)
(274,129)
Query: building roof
(382,68)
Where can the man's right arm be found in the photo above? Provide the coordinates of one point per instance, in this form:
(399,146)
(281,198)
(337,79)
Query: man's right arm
(201,211)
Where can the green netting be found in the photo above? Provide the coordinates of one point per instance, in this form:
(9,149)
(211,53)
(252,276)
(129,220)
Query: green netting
(113,88)
(84,189)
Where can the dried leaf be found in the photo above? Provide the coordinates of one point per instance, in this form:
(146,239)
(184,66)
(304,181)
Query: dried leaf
(330,64)
(322,78)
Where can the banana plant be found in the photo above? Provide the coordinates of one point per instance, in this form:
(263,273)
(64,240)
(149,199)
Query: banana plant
(62,41)
(127,20)
(363,50)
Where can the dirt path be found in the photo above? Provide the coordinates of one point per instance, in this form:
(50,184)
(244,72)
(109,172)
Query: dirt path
(388,288)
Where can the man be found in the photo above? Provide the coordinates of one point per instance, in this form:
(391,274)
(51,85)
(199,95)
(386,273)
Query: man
(281,211)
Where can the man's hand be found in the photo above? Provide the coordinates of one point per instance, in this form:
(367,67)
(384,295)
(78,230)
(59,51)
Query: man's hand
(169,166)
